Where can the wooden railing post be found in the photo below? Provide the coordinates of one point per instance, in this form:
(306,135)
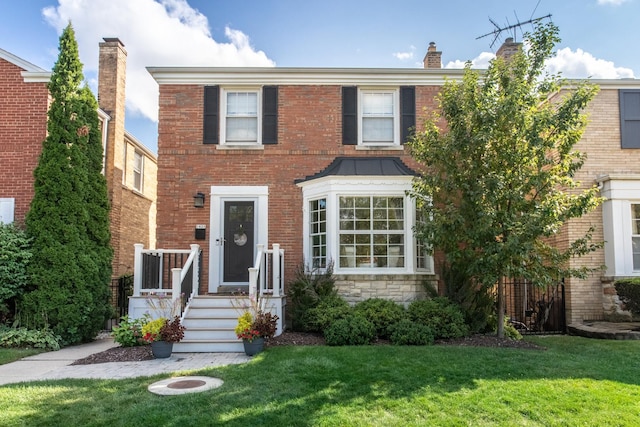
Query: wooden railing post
(253,281)
(196,270)
(176,289)
(137,269)
(276,269)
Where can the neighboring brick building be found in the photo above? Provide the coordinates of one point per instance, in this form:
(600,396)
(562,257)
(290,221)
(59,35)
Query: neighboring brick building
(313,159)
(130,168)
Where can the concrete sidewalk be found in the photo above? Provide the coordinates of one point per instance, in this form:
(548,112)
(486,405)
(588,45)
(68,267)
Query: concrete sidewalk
(57,364)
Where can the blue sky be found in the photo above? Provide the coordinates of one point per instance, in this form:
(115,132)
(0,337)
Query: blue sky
(599,37)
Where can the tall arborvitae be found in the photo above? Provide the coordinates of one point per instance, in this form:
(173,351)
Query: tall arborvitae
(69,215)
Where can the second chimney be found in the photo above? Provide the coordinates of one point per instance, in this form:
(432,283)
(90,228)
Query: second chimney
(508,49)
(433,58)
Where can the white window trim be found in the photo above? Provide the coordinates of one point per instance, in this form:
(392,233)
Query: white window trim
(332,188)
(7,210)
(223,116)
(135,154)
(620,192)
(396,117)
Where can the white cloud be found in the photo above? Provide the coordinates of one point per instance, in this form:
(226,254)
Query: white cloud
(155,33)
(578,64)
(611,2)
(581,64)
(405,56)
(479,62)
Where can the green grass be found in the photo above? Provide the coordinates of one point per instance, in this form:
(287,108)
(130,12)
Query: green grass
(8,355)
(575,382)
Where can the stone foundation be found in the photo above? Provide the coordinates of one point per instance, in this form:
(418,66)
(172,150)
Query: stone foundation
(402,289)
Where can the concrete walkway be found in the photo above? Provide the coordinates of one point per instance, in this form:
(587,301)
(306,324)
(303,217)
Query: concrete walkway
(57,364)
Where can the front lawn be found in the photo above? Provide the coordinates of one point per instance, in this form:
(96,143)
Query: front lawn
(8,355)
(576,381)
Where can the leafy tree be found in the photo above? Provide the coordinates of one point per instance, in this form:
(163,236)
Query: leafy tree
(499,175)
(69,215)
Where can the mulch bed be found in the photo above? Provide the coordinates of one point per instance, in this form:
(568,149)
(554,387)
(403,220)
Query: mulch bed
(140,353)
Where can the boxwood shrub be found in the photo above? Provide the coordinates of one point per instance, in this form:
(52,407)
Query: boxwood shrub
(441,315)
(381,312)
(407,332)
(629,293)
(352,330)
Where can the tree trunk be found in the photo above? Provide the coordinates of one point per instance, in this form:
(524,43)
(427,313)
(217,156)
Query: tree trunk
(501,307)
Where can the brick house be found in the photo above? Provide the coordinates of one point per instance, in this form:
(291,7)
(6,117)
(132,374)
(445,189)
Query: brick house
(313,159)
(130,168)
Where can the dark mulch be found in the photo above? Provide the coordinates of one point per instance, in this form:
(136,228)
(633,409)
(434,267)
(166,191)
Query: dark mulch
(140,353)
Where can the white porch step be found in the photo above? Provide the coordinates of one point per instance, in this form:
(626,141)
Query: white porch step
(210,323)
(208,346)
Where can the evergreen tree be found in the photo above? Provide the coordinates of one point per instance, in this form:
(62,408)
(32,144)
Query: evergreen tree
(499,179)
(69,215)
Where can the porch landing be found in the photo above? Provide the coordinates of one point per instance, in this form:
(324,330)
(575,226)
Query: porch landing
(606,330)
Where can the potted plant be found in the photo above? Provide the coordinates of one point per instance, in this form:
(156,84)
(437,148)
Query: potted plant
(161,333)
(254,326)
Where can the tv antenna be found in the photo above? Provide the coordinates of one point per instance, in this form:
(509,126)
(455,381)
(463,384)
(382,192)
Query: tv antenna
(498,29)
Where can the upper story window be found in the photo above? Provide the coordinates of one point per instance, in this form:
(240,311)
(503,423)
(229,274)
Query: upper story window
(241,117)
(138,171)
(375,118)
(630,118)
(379,117)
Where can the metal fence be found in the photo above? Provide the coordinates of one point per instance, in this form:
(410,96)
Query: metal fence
(536,310)
(120,291)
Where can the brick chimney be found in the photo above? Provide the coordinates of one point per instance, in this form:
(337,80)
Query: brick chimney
(508,49)
(433,58)
(112,68)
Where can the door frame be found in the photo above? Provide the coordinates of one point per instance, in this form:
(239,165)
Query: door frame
(218,195)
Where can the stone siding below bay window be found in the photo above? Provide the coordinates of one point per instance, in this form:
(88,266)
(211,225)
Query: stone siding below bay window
(402,289)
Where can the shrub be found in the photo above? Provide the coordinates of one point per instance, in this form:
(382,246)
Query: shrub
(510,330)
(406,332)
(15,254)
(476,302)
(442,316)
(129,332)
(29,338)
(352,330)
(328,310)
(307,290)
(381,312)
(629,293)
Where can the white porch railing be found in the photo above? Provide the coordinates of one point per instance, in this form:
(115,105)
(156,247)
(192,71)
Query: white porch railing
(266,277)
(165,271)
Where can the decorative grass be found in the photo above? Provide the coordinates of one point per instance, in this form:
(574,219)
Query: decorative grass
(575,382)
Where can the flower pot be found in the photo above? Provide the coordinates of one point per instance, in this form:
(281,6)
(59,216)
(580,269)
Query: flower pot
(253,347)
(161,349)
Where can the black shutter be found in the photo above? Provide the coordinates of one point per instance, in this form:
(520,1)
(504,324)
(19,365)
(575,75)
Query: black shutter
(211,120)
(350,115)
(407,112)
(630,118)
(270,115)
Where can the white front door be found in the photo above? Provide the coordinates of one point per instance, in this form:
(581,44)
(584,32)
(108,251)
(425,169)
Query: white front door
(238,223)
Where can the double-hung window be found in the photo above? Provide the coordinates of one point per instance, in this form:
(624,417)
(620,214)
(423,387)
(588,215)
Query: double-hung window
(371,231)
(379,117)
(241,116)
(138,171)
(318,232)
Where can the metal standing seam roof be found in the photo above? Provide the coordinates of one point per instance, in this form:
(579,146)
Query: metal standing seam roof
(363,166)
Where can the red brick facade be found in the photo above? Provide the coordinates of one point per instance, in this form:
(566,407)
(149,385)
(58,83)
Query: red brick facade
(23,127)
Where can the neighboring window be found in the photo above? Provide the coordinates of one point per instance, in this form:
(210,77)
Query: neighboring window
(138,171)
(7,207)
(371,232)
(318,232)
(379,117)
(635,235)
(630,118)
(241,117)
